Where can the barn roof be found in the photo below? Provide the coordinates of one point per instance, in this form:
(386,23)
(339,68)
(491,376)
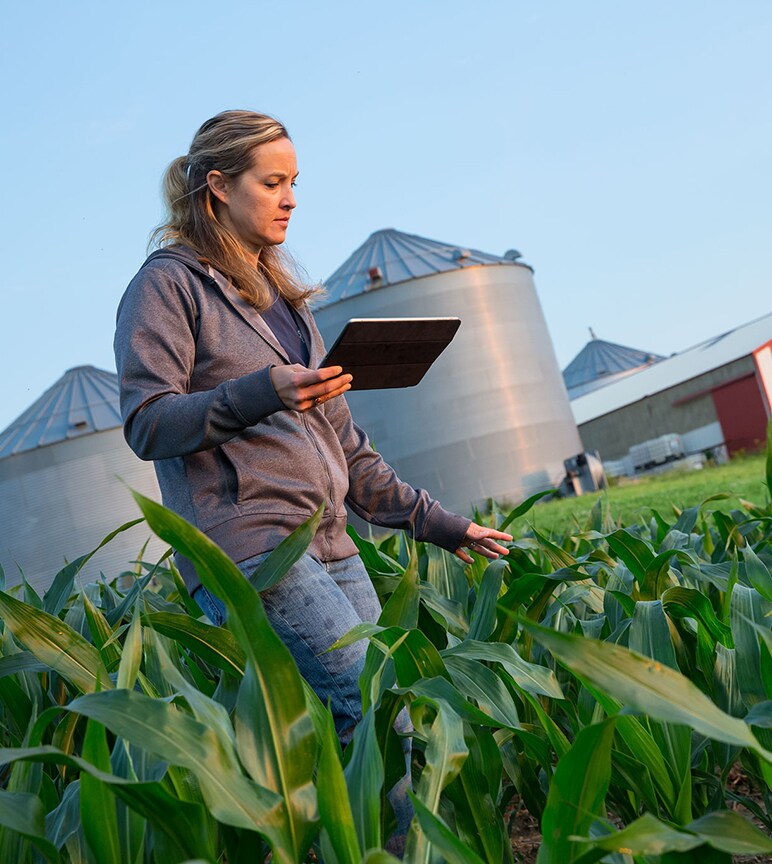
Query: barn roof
(83,400)
(704,357)
(388,257)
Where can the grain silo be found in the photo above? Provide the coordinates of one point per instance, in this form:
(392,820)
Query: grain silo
(491,419)
(64,473)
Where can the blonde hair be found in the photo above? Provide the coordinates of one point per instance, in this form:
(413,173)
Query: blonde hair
(226,143)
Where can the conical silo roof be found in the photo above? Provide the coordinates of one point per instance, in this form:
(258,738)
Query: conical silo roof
(600,362)
(389,256)
(83,400)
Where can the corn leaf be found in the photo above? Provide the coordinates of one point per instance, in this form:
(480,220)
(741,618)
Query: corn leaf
(645,685)
(757,573)
(281,746)
(523,508)
(56,644)
(161,729)
(364,776)
(533,678)
(401,609)
(335,811)
(441,837)
(483,620)
(576,794)
(97,805)
(24,814)
(215,645)
(286,554)
(445,754)
(131,655)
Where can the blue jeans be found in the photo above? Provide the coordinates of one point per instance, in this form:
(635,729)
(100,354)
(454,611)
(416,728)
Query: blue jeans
(310,608)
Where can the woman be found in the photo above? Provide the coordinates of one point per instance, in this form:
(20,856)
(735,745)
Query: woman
(217,354)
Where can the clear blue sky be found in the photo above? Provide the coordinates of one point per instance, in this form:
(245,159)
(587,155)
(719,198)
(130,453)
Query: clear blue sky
(622,147)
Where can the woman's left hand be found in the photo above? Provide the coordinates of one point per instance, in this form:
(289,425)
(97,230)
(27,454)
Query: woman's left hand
(482,541)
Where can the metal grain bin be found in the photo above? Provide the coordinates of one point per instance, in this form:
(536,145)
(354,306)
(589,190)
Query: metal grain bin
(491,419)
(64,472)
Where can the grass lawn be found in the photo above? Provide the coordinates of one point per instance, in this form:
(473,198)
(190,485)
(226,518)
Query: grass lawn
(631,499)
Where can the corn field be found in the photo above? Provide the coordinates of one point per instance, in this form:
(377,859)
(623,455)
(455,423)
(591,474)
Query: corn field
(608,680)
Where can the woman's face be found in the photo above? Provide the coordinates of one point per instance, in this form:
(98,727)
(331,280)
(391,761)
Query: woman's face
(256,205)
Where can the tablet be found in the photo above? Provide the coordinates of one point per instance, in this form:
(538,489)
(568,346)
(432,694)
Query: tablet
(390,352)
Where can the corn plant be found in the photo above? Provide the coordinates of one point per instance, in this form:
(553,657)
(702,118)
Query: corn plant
(610,681)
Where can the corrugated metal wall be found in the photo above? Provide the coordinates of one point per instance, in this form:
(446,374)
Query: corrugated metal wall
(58,502)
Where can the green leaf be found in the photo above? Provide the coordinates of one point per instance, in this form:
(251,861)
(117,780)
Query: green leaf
(414,655)
(682,602)
(644,836)
(182,821)
(729,832)
(445,573)
(649,633)
(286,554)
(24,814)
(440,689)
(576,794)
(656,575)
(56,644)
(476,681)
(364,776)
(61,588)
(645,685)
(635,553)
(523,508)
(724,830)
(533,678)
(401,609)
(483,619)
(282,743)
(757,573)
(216,645)
(97,805)
(746,605)
(161,729)
(131,655)
(472,793)
(441,837)
(101,633)
(334,806)
(445,754)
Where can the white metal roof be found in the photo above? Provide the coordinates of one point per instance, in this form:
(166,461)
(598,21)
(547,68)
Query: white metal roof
(393,256)
(676,369)
(83,400)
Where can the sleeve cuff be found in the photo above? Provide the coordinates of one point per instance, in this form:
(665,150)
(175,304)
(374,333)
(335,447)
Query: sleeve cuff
(445,529)
(253,397)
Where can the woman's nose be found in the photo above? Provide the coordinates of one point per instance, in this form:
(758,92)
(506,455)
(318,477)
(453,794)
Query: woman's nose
(288,202)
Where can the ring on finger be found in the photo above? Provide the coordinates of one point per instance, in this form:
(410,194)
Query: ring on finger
(318,400)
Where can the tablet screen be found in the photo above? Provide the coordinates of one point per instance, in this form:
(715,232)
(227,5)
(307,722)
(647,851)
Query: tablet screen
(390,352)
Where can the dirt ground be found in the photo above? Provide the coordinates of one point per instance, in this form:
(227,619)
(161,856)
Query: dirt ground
(526,837)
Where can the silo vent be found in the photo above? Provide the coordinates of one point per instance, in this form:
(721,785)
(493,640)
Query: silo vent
(512,255)
(461,254)
(375,274)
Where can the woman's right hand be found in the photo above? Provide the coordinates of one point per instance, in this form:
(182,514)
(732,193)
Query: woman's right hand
(300,388)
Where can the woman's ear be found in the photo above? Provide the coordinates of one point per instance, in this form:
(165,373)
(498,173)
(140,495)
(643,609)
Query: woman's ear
(218,185)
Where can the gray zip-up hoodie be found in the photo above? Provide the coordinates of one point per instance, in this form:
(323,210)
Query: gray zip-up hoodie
(194,362)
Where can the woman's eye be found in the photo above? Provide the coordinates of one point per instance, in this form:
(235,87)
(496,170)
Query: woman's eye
(293,184)
(271,185)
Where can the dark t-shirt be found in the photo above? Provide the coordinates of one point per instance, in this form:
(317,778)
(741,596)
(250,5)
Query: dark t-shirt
(288,327)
